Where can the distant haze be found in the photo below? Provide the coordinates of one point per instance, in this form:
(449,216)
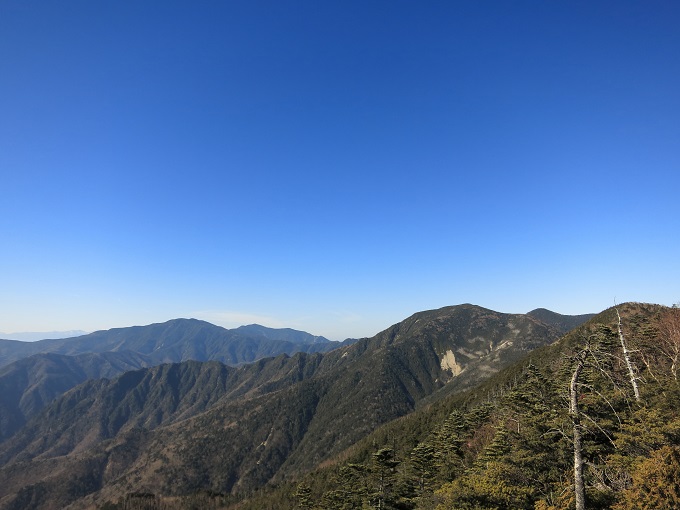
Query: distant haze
(32,336)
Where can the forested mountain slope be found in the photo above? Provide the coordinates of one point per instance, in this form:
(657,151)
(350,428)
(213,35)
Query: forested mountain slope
(514,441)
(28,385)
(182,428)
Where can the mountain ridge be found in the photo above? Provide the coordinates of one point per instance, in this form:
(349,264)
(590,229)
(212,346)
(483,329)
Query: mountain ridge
(176,340)
(292,335)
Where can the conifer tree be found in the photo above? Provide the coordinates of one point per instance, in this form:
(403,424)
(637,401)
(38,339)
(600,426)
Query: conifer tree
(383,467)
(424,462)
(447,443)
(303,496)
(532,419)
(497,448)
(350,488)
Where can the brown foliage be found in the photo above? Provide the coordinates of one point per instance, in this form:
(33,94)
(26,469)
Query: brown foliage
(656,482)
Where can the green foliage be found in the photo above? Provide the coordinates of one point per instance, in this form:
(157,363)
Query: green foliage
(447,444)
(383,468)
(350,488)
(303,497)
(424,462)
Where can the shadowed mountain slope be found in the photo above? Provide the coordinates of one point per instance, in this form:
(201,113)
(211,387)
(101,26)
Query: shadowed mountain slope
(28,385)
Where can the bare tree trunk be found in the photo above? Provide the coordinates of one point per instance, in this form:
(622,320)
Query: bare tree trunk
(669,336)
(574,412)
(626,356)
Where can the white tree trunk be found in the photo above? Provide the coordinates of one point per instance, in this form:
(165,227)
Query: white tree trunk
(579,486)
(626,357)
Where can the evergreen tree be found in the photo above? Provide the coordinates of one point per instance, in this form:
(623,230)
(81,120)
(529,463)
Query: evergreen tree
(383,470)
(447,445)
(303,496)
(350,490)
(424,462)
(532,414)
(497,448)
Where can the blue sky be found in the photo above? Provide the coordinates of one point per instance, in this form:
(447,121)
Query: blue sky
(334,166)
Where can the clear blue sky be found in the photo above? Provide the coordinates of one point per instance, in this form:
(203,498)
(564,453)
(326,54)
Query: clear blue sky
(334,166)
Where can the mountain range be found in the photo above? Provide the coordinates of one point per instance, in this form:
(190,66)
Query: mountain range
(123,420)
(33,374)
(177,340)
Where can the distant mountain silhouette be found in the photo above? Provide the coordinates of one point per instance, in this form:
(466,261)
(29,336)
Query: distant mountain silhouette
(177,340)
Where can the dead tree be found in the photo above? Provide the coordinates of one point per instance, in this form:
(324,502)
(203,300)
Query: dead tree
(669,336)
(584,364)
(575,414)
(626,357)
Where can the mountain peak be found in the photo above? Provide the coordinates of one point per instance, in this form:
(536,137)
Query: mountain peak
(563,323)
